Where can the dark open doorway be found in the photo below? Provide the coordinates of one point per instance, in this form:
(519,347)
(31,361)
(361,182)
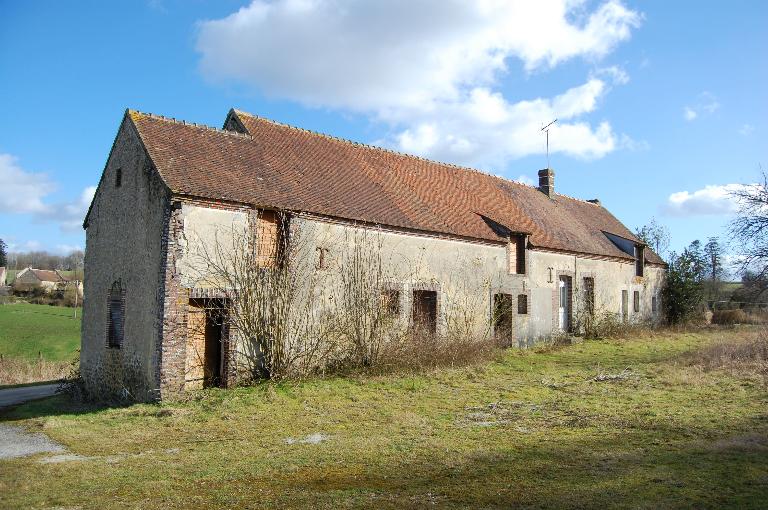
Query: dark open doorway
(503,319)
(424,311)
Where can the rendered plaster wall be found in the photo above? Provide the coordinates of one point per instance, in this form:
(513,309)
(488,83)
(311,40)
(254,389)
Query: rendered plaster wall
(610,278)
(465,275)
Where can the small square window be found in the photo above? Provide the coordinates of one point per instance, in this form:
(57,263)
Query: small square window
(322,258)
(119,178)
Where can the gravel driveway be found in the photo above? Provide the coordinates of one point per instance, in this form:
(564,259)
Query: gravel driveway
(15,441)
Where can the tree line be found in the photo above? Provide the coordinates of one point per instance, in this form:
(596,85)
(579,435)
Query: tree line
(40,259)
(694,278)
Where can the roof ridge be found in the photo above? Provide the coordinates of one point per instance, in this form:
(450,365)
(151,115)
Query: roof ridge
(341,140)
(383,149)
(586,201)
(190,124)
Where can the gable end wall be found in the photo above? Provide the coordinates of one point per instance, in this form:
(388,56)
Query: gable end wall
(123,244)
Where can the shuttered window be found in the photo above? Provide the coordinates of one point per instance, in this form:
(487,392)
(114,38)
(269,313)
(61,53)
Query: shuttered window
(115,316)
(589,295)
(522,304)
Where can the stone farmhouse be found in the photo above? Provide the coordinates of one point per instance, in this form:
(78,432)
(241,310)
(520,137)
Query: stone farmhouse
(449,236)
(47,279)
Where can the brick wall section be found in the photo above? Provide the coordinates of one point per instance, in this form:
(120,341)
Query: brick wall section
(172,342)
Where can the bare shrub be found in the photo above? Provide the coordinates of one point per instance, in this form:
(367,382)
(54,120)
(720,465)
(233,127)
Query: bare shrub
(22,371)
(419,352)
(739,316)
(297,318)
(267,300)
(745,356)
(602,323)
(757,316)
(72,384)
(364,318)
(729,317)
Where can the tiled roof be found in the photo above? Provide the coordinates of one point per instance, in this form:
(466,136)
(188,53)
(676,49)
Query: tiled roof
(279,166)
(45,275)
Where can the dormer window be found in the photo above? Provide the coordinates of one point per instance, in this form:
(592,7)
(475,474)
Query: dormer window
(516,254)
(639,260)
(631,248)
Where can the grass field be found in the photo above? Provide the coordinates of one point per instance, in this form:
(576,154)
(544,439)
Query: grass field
(28,329)
(616,424)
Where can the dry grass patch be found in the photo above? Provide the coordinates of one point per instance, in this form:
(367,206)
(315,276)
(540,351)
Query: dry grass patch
(22,371)
(745,355)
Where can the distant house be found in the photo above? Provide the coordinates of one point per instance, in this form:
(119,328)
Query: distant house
(3,273)
(29,279)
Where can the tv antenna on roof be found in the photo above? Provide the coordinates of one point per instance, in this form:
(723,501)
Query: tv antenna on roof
(546,130)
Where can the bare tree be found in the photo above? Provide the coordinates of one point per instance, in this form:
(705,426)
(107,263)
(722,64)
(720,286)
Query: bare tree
(269,307)
(367,306)
(749,229)
(655,235)
(714,255)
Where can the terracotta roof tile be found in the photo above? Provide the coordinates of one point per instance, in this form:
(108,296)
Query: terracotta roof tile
(45,275)
(284,167)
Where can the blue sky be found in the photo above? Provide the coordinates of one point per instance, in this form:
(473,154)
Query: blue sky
(662,105)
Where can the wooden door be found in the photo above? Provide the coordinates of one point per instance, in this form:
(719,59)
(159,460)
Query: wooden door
(195,365)
(565,303)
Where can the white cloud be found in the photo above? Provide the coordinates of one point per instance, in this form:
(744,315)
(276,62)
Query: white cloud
(626,142)
(617,74)
(66,249)
(486,130)
(711,200)
(32,245)
(429,69)
(524,179)
(747,129)
(25,193)
(706,104)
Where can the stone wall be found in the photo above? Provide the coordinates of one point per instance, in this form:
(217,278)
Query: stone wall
(156,256)
(124,244)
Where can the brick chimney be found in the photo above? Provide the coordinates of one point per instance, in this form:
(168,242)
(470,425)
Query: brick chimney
(547,182)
